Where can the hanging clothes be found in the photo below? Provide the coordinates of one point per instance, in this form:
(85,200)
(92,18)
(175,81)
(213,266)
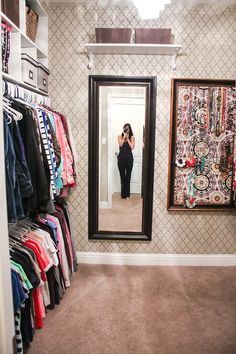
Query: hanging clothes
(45,167)
(41,267)
(40,170)
(68,172)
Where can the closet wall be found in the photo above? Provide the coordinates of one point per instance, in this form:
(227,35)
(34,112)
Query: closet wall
(209,49)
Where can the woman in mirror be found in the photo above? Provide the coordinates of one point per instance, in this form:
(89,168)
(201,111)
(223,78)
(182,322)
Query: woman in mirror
(126,143)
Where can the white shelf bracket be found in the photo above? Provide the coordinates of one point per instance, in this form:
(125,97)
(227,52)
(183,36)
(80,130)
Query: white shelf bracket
(174,57)
(90,57)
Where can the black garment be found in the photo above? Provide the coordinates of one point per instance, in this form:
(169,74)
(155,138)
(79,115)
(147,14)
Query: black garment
(27,330)
(51,287)
(60,217)
(26,326)
(38,170)
(55,286)
(125,165)
(24,260)
(59,284)
(61,203)
(22,170)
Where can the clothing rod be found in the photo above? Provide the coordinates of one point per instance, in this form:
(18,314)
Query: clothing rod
(7,78)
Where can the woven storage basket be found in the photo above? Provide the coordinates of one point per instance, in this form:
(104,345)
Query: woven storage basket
(31,23)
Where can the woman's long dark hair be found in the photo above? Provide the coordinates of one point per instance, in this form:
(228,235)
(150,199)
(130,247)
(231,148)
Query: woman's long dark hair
(130,129)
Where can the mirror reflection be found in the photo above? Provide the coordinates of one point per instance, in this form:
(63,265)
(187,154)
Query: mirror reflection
(121,149)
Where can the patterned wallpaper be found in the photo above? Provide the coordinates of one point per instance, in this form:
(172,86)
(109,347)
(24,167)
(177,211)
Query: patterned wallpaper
(209,51)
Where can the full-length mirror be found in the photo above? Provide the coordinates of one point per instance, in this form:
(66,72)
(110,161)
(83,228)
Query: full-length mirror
(121,154)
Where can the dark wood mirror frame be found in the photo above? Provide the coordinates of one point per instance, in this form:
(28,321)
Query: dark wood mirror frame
(149,82)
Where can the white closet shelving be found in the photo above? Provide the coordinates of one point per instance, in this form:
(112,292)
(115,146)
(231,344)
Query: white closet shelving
(20,43)
(120,48)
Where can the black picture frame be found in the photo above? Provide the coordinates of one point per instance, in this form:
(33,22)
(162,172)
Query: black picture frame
(150,83)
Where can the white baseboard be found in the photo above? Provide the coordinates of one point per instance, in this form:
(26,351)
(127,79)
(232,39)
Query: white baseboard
(105,205)
(220,260)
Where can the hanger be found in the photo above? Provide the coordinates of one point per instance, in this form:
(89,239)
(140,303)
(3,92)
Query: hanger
(13,244)
(11,99)
(23,228)
(16,235)
(9,118)
(28,223)
(14,114)
(6,105)
(4,87)
(13,241)
(19,233)
(22,101)
(22,95)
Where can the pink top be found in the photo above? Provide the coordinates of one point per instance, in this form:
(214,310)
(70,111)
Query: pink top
(67,173)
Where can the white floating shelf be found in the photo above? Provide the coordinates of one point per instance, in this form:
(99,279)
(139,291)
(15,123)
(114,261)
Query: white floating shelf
(120,48)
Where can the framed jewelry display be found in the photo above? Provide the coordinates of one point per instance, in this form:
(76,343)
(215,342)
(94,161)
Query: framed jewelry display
(202,147)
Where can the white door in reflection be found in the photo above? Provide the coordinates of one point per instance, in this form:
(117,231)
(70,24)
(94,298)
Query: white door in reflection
(117,106)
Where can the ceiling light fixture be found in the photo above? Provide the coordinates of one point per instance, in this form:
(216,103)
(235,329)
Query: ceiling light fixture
(150,8)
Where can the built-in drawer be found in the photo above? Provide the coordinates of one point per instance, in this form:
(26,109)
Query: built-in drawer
(29,70)
(42,77)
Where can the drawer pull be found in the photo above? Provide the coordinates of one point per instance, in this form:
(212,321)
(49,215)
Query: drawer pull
(44,82)
(31,75)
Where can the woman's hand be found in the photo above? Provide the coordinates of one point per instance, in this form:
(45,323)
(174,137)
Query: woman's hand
(125,137)
(121,139)
(131,142)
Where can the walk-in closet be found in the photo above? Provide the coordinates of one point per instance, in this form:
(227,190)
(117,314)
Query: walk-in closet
(118,177)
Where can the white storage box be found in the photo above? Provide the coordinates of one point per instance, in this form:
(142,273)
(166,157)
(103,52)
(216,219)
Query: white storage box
(42,77)
(29,70)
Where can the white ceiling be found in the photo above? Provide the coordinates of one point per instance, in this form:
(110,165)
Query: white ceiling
(122,3)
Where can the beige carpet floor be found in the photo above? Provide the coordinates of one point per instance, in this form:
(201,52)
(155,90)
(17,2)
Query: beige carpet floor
(125,215)
(143,310)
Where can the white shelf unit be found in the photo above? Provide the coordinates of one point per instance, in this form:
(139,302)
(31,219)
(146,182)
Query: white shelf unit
(20,43)
(120,48)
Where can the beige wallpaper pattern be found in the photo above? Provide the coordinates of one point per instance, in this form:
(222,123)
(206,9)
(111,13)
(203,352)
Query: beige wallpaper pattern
(209,51)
